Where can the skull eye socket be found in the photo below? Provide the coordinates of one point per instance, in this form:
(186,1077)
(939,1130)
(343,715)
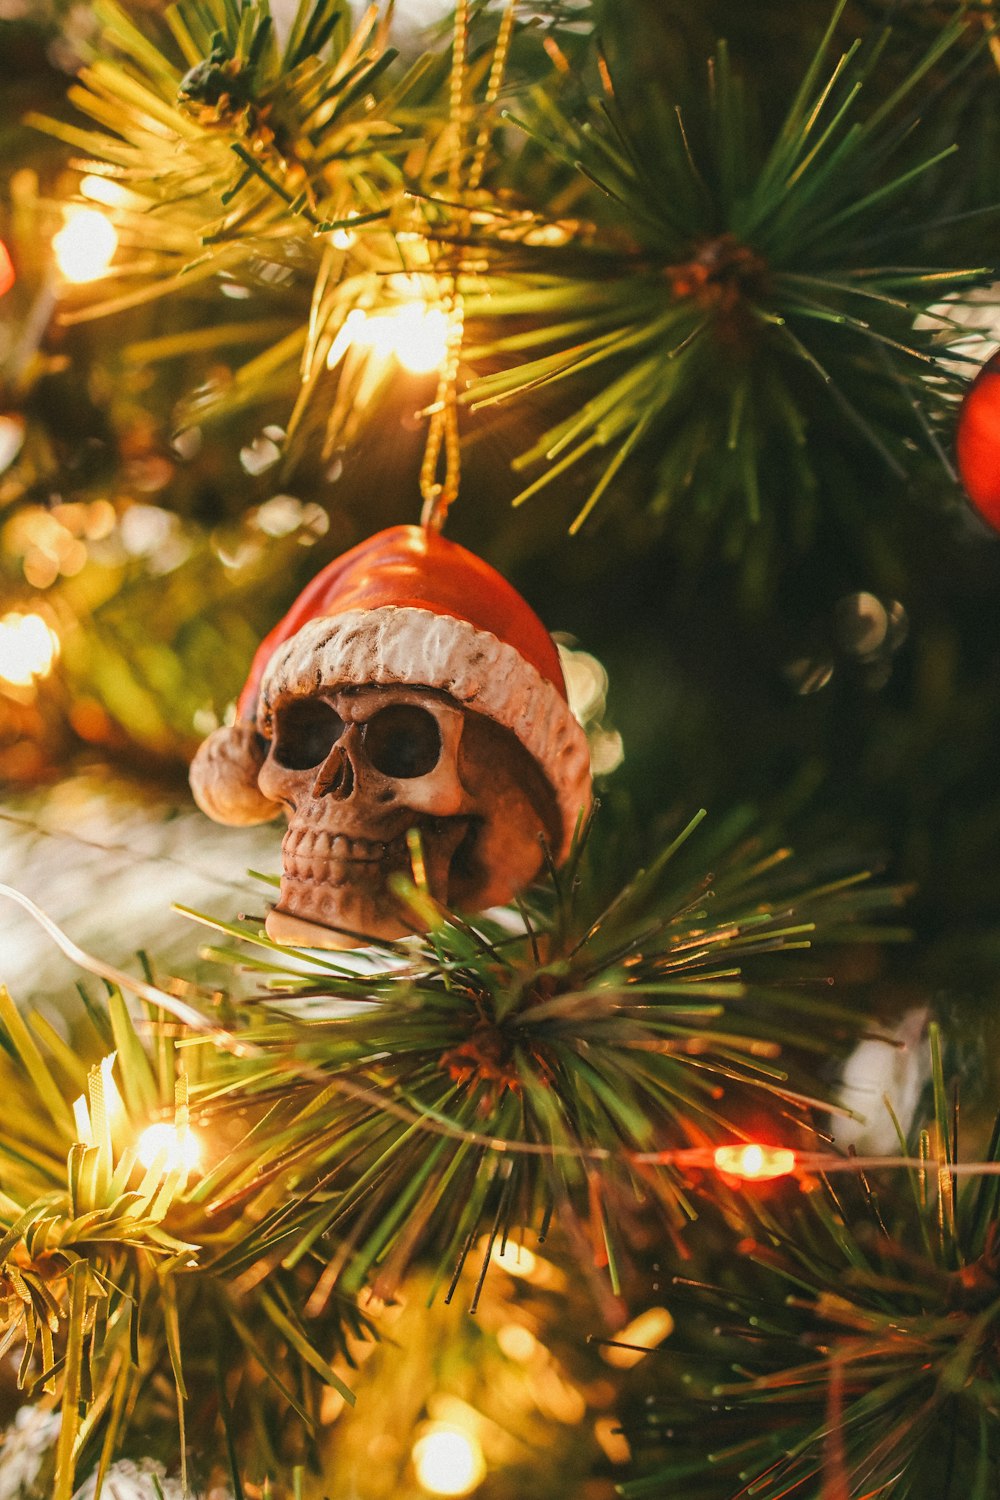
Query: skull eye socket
(305,731)
(403,740)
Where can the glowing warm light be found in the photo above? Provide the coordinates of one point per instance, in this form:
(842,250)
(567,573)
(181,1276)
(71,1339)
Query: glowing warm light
(557,1397)
(348,334)
(514,1257)
(105,190)
(84,246)
(420,337)
(413,333)
(612,1440)
(173,1147)
(637,1338)
(28,649)
(448,1461)
(517,1342)
(755,1163)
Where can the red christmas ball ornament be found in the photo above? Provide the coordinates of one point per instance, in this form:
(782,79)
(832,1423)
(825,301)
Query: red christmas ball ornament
(409,687)
(977,442)
(6,269)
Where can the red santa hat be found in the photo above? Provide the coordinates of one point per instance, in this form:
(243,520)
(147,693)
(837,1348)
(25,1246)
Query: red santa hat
(404,607)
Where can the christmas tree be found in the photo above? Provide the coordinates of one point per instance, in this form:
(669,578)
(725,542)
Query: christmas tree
(509,1125)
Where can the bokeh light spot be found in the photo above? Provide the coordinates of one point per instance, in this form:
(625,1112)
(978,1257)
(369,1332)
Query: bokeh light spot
(448,1461)
(28,648)
(85,245)
(169,1143)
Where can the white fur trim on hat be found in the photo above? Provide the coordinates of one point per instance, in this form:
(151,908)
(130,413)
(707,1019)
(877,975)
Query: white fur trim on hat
(418,648)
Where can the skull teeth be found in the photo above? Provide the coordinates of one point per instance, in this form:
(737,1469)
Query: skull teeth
(316,847)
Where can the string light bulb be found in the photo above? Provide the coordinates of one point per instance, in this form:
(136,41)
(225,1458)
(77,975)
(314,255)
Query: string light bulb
(170,1144)
(448,1460)
(29,648)
(415,333)
(754,1162)
(85,245)
(420,337)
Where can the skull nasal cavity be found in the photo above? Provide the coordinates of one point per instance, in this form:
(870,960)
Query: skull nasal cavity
(403,741)
(305,731)
(336,779)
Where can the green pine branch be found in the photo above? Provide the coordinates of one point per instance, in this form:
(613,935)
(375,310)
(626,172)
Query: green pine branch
(732,323)
(743,302)
(305,173)
(492,1076)
(229,138)
(241,159)
(862,1323)
(112,1279)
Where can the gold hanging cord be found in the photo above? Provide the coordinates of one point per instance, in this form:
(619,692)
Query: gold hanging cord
(443,433)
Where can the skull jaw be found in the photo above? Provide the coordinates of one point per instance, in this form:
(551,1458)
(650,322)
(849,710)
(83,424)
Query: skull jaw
(339,916)
(350,903)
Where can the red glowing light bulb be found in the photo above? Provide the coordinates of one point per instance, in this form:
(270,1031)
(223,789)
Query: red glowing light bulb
(977,442)
(753,1162)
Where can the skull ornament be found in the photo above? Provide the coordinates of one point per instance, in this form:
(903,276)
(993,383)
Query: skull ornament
(370,722)
(356,770)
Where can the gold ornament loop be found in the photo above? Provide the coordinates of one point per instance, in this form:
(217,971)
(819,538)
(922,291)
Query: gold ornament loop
(443,434)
